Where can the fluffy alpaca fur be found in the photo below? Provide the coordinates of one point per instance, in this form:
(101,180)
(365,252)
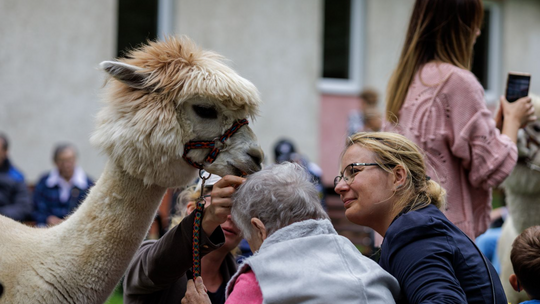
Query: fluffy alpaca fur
(522,190)
(164,95)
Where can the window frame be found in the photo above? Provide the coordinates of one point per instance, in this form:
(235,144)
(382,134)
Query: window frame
(494,89)
(165,18)
(353,85)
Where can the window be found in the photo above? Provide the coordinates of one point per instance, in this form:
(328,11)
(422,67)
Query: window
(137,23)
(342,52)
(487,57)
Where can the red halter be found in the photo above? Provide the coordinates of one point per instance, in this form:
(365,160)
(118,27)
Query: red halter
(211,157)
(199,209)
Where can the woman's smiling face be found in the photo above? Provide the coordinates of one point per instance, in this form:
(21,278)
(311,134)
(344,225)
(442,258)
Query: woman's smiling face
(369,198)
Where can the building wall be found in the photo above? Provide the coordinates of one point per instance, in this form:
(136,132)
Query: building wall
(50,81)
(276,45)
(386,25)
(49,78)
(382,46)
(53,50)
(521,40)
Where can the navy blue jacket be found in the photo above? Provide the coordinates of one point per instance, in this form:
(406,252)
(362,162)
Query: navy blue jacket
(47,200)
(435,262)
(15,200)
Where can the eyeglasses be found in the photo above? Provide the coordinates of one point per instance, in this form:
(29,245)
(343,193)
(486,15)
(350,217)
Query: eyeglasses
(350,172)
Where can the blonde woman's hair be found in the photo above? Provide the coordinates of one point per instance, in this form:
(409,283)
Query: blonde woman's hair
(441,30)
(392,150)
(185,199)
(187,196)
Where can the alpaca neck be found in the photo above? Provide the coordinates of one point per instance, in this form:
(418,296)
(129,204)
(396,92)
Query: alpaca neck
(108,227)
(522,191)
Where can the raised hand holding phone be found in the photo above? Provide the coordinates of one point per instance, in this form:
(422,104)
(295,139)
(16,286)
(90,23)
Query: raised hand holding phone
(517,86)
(516,114)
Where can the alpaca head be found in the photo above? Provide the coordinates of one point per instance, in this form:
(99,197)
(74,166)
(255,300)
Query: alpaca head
(529,137)
(165,94)
(525,177)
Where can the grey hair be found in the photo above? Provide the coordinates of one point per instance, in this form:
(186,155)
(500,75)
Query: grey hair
(61,147)
(278,195)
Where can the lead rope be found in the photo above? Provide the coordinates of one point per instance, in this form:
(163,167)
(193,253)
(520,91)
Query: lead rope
(197,228)
(210,158)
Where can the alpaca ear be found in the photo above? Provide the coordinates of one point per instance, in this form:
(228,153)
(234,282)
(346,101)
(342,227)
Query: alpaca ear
(126,73)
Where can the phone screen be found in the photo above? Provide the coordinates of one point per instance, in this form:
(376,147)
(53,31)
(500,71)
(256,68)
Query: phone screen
(517,86)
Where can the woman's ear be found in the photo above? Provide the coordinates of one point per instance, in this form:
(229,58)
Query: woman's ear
(400,176)
(190,207)
(259,227)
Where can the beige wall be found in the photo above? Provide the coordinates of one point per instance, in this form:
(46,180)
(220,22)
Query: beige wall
(385,27)
(49,80)
(276,45)
(521,39)
(50,51)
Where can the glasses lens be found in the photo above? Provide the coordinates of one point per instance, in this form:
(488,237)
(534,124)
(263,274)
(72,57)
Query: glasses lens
(348,173)
(337,179)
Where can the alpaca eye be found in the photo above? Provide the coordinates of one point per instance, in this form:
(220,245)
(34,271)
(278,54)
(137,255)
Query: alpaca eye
(205,112)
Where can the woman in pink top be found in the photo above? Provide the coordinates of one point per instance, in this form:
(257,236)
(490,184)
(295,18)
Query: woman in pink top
(434,100)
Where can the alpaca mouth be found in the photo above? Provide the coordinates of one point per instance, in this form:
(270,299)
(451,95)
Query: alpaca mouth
(241,171)
(237,171)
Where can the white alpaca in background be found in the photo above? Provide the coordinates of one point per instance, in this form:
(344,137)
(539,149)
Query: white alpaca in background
(522,189)
(158,98)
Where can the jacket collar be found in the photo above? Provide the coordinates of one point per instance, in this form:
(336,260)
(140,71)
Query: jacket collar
(78,179)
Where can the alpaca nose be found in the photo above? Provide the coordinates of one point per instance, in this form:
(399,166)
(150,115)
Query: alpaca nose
(257,155)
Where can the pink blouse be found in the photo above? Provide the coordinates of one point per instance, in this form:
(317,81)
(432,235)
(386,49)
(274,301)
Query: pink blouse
(446,115)
(246,290)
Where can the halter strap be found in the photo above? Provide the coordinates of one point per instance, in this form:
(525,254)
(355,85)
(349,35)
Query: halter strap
(212,155)
(199,209)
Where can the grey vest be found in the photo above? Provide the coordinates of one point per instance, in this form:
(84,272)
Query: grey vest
(308,262)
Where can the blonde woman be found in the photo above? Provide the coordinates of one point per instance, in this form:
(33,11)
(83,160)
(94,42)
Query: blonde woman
(384,185)
(434,100)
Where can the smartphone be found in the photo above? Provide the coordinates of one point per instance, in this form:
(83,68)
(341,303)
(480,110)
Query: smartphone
(517,86)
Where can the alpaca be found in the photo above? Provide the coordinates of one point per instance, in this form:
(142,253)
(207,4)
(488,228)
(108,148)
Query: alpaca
(522,190)
(159,98)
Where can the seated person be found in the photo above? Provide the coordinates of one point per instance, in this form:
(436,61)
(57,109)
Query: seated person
(299,257)
(525,257)
(159,270)
(61,190)
(285,151)
(15,201)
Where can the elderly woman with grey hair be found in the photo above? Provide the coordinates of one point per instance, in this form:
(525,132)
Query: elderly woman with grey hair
(299,257)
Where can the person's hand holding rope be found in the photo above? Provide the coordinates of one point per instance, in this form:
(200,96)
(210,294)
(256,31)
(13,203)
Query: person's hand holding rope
(217,212)
(196,293)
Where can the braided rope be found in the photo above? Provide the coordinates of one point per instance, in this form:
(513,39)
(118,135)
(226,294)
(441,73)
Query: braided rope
(199,209)
(196,237)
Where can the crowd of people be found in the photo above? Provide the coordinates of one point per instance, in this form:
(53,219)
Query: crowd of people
(56,194)
(423,183)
